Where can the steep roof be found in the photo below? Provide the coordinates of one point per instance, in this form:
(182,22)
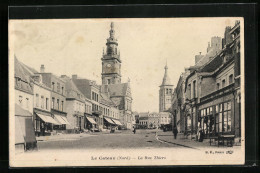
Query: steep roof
(212,65)
(106,100)
(71,89)
(81,85)
(166,78)
(117,89)
(28,70)
(19,73)
(212,53)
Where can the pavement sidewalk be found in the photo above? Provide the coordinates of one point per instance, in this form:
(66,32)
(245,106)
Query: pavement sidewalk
(189,143)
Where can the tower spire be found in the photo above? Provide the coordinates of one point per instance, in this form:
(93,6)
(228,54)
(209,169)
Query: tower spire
(112,31)
(111,63)
(166,79)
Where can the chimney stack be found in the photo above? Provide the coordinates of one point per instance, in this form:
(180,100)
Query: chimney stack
(42,70)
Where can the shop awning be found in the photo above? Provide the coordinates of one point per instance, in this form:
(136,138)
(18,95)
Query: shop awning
(65,119)
(117,122)
(61,119)
(48,119)
(91,120)
(109,120)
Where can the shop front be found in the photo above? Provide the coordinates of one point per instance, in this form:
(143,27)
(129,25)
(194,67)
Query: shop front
(62,119)
(97,116)
(217,114)
(79,122)
(191,120)
(44,122)
(109,123)
(90,123)
(117,123)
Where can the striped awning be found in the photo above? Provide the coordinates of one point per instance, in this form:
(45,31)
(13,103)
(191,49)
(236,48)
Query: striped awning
(65,120)
(109,120)
(117,122)
(91,120)
(61,119)
(48,119)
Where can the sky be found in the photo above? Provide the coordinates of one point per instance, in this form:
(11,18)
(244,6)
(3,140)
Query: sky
(75,46)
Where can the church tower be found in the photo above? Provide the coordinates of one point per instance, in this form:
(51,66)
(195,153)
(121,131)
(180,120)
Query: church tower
(165,92)
(111,63)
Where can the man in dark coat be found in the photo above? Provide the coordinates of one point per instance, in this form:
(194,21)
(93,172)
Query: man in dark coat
(175,132)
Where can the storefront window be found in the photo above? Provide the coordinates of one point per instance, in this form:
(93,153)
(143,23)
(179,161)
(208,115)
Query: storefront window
(37,124)
(193,119)
(224,117)
(227,116)
(217,122)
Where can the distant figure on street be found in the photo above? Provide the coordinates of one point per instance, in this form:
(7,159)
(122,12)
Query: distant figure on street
(200,135)
(134,130)
(175,132)
(42,129)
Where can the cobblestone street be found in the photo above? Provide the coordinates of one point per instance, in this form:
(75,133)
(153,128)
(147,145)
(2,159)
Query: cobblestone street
(125,139)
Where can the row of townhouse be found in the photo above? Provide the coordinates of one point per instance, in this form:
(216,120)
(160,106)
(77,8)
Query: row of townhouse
(46,104)
(207,96)
(153,120)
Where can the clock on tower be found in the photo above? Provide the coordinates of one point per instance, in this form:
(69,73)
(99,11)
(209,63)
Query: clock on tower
(111,63)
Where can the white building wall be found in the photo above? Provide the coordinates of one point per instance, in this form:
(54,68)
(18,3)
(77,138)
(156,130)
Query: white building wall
(42,92)
(23,102)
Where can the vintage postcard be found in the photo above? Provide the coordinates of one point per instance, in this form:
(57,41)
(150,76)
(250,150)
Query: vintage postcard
(126,92)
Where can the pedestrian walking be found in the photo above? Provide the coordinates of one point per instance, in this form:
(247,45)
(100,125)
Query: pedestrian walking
(42,129)
(175,132)
(134,130)
(200,135)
